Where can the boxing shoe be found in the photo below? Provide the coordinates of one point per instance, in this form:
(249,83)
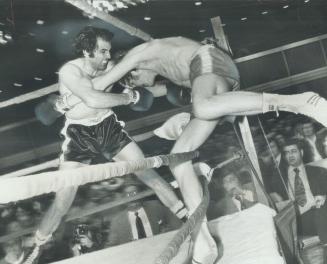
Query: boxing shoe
(205,249)
(313,105)
(309,103)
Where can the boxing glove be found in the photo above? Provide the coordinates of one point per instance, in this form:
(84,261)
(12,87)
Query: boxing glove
(178,95)
(173,127)
(47,112)
(141,99)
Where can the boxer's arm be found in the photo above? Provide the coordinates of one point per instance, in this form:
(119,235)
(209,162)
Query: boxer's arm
(158,89)
(83,89)
(129,62)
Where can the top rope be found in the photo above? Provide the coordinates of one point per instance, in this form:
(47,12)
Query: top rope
(14,189)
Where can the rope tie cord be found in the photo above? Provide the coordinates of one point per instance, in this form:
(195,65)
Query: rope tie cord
(46,182)
(174,245)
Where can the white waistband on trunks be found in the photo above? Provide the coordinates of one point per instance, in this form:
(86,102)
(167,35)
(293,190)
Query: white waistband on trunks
(89,121)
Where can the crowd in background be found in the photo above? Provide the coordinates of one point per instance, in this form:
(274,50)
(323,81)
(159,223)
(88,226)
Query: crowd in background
(231,190)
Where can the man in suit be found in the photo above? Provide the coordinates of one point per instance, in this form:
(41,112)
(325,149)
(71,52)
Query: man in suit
(140,219)
(307,186)
(237,196)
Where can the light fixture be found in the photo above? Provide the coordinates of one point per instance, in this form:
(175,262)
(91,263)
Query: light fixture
(285,6)
(244,18)
(202,30)
(5,37)
(264,12)
(40,50)
(64,32)
(147,18)
(18,84)
(40,22)
(112,5)
(38,79)
(198,3)
(306,1)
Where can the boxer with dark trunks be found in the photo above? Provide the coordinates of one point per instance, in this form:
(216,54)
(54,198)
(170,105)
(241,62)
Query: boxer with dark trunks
(92,129)
(214,81)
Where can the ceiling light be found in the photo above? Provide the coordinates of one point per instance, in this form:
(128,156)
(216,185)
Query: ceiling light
(306,1)
(38,79)
(8,37)
(2,24)
(244,18)
(147,18)
(3,40)
(40,50)
(202,30)
(40,22)
(197,3)
(64,32)
(264,12)
(285,6)
(18,84)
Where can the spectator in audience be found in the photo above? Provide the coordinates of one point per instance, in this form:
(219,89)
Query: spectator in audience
(85,239)
(321,143)
(13,251)
(273,168)
(310,137)
(298,131)
(139,219)
(307,186)
(280,140)
(236,197)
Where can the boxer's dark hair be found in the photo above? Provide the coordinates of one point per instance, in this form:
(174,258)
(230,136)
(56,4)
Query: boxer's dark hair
(86,39)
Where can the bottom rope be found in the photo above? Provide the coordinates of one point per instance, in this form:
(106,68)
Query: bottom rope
(174,245)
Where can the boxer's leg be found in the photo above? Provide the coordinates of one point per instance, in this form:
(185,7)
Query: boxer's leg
(153,180)
(194,135)
(52,218)
(210,107)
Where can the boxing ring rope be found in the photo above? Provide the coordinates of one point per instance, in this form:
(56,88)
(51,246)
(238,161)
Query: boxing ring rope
(37,184)
(42,166)
(29,96)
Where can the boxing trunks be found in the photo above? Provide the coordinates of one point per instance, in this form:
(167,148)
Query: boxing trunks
(209,59)
(85,140)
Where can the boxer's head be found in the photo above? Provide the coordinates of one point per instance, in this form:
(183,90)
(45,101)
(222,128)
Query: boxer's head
(139,78)
(95,45)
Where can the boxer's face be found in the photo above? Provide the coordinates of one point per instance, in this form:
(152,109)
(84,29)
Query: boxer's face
(142,78)
(101,55)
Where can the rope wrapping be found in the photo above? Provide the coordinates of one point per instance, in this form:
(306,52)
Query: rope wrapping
(46,182)
(174,245)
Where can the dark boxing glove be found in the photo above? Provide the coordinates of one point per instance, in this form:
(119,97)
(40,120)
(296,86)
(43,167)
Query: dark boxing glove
(47,111)
(178,95)
(141,99)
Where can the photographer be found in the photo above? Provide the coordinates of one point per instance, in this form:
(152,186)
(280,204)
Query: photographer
(85,240)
